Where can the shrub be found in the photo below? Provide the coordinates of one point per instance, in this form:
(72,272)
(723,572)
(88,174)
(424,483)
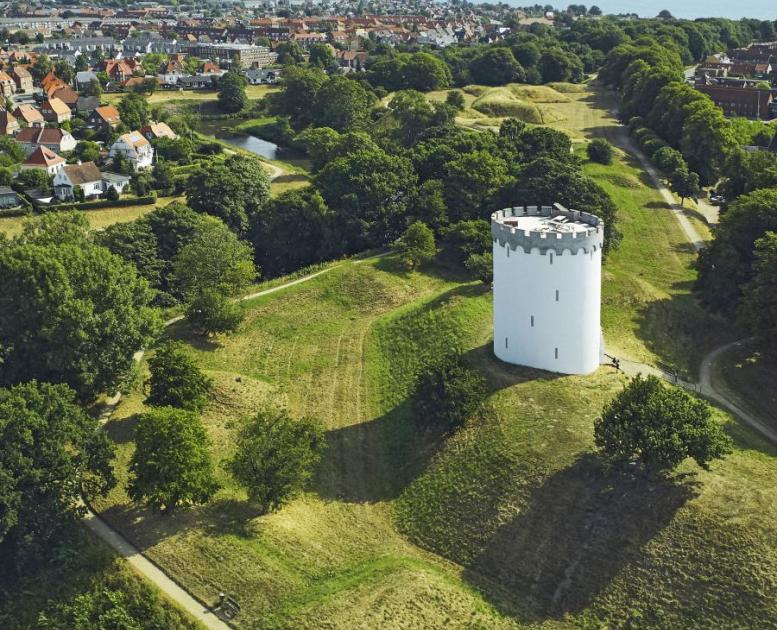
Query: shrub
(481,266)
(416,245)
(447,394)
(599,150)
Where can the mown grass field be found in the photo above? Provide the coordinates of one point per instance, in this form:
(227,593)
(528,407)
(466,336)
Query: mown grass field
(98,219)
(170,96)
(510,523)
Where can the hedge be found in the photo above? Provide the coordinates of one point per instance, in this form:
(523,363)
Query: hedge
(100,203)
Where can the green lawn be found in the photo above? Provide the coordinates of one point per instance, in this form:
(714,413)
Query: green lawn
(171,96)
(98,219)
(511,522)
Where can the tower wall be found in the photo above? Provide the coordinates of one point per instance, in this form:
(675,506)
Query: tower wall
(547,293)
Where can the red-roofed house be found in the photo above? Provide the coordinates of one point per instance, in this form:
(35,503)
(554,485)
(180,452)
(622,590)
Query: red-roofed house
(29,115)
(54,110)
(57,140)
(153,130)
(104,117)
(7,85)
(45,159)
(8,124)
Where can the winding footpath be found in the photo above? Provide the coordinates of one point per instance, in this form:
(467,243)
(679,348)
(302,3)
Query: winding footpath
(705,386)
(145,567)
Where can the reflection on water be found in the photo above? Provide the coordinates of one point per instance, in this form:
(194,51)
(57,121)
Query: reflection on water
(266,149)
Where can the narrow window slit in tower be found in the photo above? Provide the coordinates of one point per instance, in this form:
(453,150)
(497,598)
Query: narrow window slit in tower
(557,353)
(506,342)
(556,295)
(551,259)
(532,321)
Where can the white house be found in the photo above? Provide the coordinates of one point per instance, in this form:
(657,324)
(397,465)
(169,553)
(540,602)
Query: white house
(46,159)
(134,147)
(85,175)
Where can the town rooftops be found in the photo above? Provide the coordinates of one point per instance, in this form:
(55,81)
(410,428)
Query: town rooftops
(85,173)
(134,139)
(41,135)
(44,158)
(29,114)
(158,130)
(109,113)
(57,106)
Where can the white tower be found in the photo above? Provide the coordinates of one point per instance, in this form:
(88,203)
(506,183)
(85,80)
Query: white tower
(547,288)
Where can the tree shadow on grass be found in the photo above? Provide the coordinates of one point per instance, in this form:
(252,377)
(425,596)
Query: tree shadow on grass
(122,430)
(181,331)
(582,526)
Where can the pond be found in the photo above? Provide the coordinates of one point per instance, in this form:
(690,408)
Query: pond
(258,146)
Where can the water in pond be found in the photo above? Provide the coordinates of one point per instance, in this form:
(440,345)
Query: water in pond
(266,149)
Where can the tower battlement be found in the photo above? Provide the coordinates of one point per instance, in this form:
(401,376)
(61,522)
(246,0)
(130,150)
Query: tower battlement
(547,228)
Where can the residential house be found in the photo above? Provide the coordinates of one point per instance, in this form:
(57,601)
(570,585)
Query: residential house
(54,110)
(104,117)
(87,104)
(23,79)
(84,77)
(118,70)
(258,76)
(54,139)
(7,85)
(135,148)
(210,68)
(8,124)
(351,61)
(8,197)
(87,176)
(45,159)
(29,116)
(51,81)
(115,180)
(747,102)
(66,94)
(155,130)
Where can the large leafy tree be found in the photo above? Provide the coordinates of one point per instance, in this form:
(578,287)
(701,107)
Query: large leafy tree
(544,182)
(133,109)
(211,269)
(370,191)
(135,242)
(293,230)
(321,56)
(471,182)
(232,92)
(659,427)
(50,452)
(416,245)
(298,94)
(758,309)
(275,456)
(171,465)
(341,104)
(72,313)
(233,190)
(726,266)
(175,380)
(424,72)
(496,66)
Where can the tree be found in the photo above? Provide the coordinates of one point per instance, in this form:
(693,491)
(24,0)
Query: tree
(42,66)
(658,427)
(72,313)
(12,151)
(599,150)
(465,238)
(136,243)
(481,266)
(758,308)
(93,88)
(35,178)
(297,95)
(233,190)
(416,246)
(293,230)
(669,160)
(50,452)
(176,381)
(64,70)
(275,456)
(319,143)
(133,109)
(447,394)
(594,11)
(321,56)
(87,151)
(424,72)
(341,104)
(685,184)
(232,92)
(171,465)
(455,98)
(557,65)
(290,53)
(496,66)
(370,191)
(60,228)
(214,259)
(471,181)
(210,312)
